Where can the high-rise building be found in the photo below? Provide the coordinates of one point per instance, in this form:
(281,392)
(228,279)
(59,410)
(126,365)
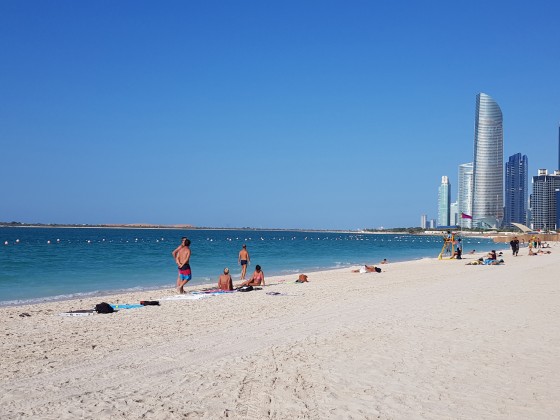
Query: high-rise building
(544,200)
(424,221)
(517,190)
(453,214)
(488,175)
(464,194)
(557,193)
(444,202)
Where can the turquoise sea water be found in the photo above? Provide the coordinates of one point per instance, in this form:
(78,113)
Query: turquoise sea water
(39,264)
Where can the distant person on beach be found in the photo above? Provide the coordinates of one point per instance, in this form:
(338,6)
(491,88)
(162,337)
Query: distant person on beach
(182,257)
(256,280)
(448,240)
(472,252)
(514,243)
(458,250)
(368,269)
(384,261)
(302,279)
(225,282)
(243,259)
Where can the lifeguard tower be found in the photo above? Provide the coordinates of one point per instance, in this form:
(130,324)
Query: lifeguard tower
(449,245)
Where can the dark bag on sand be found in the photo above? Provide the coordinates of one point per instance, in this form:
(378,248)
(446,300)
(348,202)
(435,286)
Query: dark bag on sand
(149,302)
(245,289)
(378,269)
(104,308)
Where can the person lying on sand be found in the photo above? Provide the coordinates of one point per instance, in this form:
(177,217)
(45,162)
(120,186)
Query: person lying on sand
(256,280)
(540,251)
(368,269)
(480,261)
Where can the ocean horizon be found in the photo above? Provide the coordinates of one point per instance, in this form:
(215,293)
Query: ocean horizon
(44,263)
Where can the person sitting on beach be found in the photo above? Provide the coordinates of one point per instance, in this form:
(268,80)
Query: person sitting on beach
(384,261)
(225,282)
(256,280)
(472,252)
(458,250)
(368,269)
(457,254)
(302,279)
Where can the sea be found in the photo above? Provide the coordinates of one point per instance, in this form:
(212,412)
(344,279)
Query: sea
(44,264)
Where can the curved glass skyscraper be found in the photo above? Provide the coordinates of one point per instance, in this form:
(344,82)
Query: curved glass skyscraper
(488,175)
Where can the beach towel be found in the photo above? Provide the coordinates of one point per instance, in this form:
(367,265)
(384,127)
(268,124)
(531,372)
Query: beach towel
(119,306)
(79,312)
(212,292)
(187,297)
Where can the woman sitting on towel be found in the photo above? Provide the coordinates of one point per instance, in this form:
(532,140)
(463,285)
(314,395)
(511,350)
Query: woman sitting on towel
(256,280)
(225,282)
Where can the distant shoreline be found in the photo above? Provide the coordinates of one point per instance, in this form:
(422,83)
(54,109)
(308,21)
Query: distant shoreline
(246,229)
(190,227)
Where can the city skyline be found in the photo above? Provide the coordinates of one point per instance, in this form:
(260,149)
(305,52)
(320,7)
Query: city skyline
(277,115)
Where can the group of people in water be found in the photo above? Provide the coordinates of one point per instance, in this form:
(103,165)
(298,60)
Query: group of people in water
(182,255)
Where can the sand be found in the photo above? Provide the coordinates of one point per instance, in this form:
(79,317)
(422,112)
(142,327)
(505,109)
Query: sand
(423,339)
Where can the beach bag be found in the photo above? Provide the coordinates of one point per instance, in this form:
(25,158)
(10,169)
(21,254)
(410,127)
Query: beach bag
(378,269)
(245,289)
(149,302)
(104,308)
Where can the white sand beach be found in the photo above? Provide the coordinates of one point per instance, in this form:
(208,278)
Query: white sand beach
(423,339)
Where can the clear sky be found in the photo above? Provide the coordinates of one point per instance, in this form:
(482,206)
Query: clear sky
(289,114)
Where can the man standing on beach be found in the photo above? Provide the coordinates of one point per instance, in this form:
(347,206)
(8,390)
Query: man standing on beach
(514,246)
(243,259)
(182,256)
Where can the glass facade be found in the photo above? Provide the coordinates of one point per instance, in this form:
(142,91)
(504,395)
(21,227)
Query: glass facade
(444,202)
(543,200)
(464,193)
(488,175)
(517,175)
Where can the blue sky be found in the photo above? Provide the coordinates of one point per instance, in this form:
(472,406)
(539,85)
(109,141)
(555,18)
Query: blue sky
(290,114)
